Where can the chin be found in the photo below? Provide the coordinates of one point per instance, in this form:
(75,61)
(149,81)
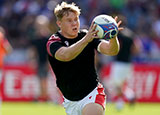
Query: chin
(74,35)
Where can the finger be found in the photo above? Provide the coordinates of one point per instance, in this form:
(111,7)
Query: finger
(119,23)
(95,32)
(116,18)
(96,36)
(121,28)
(94,27)
(92,24)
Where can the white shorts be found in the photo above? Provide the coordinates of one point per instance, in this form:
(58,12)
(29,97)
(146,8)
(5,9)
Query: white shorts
(96,96)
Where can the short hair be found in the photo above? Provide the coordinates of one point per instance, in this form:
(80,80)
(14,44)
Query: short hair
(64,8)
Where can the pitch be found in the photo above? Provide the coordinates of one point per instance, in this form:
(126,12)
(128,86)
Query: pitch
(37,108)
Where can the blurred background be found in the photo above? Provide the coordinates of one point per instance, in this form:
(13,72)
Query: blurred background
(27,24)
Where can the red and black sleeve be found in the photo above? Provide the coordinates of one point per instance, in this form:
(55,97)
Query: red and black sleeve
(53,44)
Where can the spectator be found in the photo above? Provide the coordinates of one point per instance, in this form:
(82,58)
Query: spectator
(5,48)
(38,49)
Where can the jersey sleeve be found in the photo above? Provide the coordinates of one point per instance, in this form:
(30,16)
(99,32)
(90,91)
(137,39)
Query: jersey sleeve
(53,44)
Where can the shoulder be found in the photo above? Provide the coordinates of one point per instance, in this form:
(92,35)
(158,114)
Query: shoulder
(53,43)
(54,38)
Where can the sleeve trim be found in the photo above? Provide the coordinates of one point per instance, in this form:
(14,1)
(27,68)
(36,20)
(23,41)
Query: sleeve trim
(51,40)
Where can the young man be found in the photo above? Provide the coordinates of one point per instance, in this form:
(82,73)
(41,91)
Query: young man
(71,56)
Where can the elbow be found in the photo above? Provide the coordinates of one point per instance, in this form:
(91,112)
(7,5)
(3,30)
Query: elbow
(114,53)
(64,58)
(110,52)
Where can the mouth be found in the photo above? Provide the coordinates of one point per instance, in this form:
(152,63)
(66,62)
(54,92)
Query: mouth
(74,29)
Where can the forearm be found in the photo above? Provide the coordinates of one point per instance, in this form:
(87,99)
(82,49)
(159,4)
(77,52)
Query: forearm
(114,46)
(110,47)
(71,52)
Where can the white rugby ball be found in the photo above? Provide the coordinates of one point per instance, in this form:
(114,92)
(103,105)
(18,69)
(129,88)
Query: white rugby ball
(106,25)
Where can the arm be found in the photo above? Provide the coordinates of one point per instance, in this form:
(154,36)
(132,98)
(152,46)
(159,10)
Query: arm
(110,47)
(71,52)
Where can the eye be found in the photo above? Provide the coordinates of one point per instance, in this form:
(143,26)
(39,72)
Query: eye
(76,19)
(69,20)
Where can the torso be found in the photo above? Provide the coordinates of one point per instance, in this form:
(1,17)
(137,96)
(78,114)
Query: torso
(76,78)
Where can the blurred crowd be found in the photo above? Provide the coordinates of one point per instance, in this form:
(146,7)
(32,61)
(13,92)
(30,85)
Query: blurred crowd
(26,20)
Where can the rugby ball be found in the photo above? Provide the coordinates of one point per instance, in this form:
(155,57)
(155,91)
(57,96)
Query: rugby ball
(106,25)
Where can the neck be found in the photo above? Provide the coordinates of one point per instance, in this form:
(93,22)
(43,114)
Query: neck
(67,36)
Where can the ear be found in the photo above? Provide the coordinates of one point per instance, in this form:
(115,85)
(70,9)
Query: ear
(59,23)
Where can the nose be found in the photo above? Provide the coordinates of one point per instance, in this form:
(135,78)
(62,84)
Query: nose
(74,22)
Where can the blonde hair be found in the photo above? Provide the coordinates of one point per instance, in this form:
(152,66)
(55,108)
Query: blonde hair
(64,8)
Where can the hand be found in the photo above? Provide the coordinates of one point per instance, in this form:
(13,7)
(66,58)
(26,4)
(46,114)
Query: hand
(92,33)
(118,23)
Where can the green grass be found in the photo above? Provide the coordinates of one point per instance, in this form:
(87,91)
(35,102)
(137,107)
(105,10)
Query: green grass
(53,109)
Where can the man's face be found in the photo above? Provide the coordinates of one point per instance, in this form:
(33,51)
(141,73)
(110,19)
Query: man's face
(69,25)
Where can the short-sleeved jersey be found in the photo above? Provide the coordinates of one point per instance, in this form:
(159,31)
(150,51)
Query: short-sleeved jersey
(78,77)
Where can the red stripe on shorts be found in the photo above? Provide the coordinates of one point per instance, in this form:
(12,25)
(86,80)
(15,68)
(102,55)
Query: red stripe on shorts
(100,97)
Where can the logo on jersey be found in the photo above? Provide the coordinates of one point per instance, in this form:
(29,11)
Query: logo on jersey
(67,43)
(90,97)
